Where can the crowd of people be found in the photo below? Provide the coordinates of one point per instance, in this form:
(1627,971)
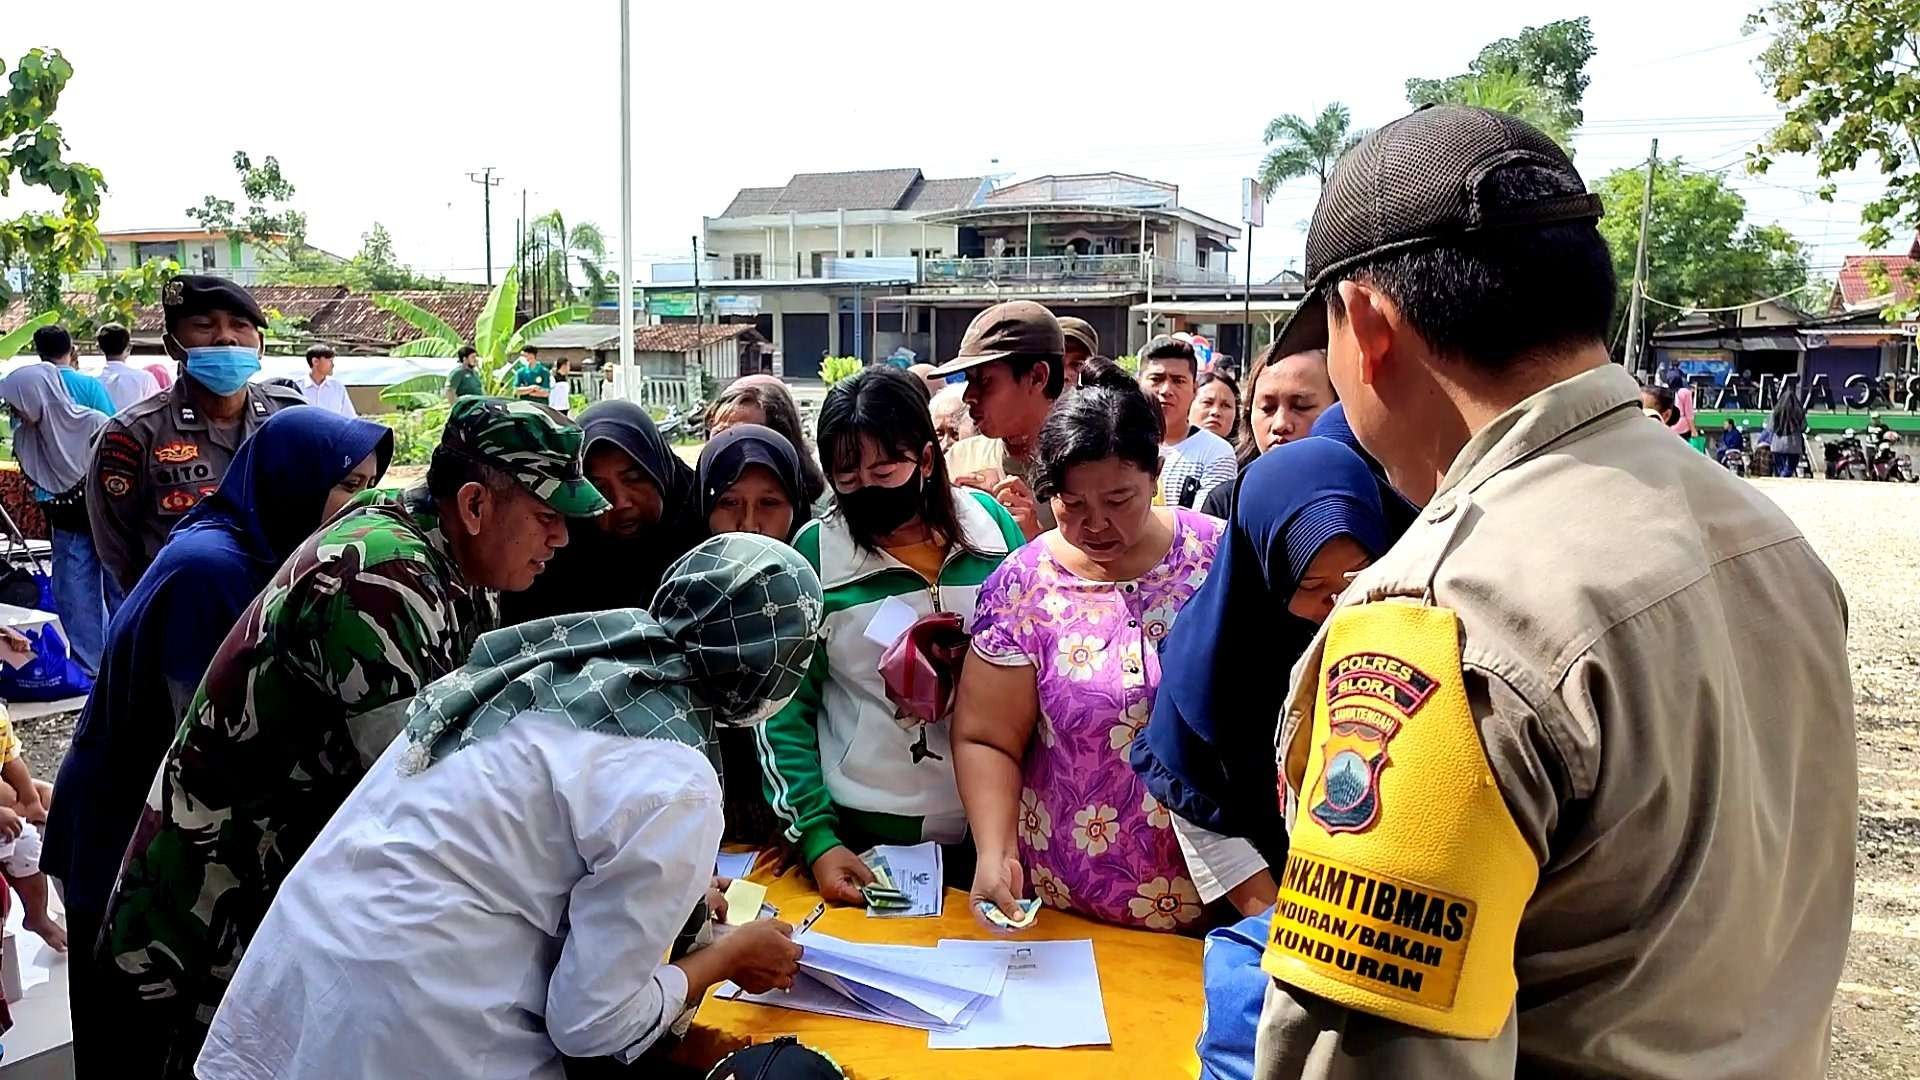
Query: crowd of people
(430,781)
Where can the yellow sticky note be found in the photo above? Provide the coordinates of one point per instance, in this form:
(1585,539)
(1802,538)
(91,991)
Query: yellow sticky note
(743,901)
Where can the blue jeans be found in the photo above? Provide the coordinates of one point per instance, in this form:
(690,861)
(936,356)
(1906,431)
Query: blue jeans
(1786,464)
(85,594)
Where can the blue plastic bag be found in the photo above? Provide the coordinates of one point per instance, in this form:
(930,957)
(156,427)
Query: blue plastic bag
(52,674)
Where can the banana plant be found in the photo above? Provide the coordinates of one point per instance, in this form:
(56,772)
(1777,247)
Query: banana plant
(12,342)
(494,334)
(418,392)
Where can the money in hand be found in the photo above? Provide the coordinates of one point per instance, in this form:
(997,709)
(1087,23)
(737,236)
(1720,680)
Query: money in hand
(1029,910)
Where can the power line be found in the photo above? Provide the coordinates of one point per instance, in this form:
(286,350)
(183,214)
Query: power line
(1736,307)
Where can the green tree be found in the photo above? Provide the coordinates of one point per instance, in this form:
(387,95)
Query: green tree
(1701,250)
(377,268)
(1848,74)
(1302,147)
(1506,90)
(46,245)
(552,250)
(269,221)
(1552,59)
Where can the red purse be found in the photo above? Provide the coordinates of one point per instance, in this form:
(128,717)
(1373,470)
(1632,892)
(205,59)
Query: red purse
(922,668)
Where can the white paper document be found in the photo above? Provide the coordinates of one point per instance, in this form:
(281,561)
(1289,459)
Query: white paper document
(1051,997)
(908,985)
(735,864)
(891,620)
(915,870)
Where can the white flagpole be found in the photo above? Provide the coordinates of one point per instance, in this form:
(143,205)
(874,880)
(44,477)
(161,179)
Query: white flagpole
(626,207)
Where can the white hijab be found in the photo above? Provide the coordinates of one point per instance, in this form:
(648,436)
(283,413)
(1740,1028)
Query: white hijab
(52,436)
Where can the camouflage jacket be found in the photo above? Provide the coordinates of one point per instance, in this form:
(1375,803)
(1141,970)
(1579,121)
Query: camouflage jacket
(302,696)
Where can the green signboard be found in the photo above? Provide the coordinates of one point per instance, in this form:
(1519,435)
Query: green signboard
(678,303)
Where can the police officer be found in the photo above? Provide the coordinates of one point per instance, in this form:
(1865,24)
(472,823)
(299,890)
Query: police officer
(1552,813)
(159,457)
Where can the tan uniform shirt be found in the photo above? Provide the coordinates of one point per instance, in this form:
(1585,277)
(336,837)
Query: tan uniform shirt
(981,453)
(155,461)
(1656,664)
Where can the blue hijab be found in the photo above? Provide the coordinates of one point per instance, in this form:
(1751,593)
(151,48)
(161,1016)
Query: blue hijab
(1208,752)
(160,642)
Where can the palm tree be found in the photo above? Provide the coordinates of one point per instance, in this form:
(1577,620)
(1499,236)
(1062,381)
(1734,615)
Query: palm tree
(552,249)
(1307,148)
(1507,90)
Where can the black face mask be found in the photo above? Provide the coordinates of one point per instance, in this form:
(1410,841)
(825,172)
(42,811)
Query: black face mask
(879,510)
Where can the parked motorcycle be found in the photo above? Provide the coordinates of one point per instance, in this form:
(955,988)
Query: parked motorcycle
(1845,458)
(678,422)
(1889,464)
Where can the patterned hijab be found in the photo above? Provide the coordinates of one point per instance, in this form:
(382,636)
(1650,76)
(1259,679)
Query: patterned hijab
(731,633)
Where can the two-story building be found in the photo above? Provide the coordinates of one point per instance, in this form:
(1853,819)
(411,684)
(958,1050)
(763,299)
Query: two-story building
(866,263)
(197,251)
(804,260)
(1101,246)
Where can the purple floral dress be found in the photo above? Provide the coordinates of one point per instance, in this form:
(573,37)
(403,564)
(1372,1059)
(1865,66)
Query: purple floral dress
(1091,838)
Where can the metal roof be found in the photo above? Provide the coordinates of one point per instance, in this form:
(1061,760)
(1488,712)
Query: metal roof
(864,189)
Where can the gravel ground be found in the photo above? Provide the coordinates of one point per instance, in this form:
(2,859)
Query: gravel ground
(1864,531)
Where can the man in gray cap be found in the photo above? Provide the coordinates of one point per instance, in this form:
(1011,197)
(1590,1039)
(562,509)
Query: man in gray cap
(161,456)
(1525,838)
(1013,355)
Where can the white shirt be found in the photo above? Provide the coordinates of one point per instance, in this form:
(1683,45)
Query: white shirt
(127,385)
(331,395)
(513,902)
(1190,468)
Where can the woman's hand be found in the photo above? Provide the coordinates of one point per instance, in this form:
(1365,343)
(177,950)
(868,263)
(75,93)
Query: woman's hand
(761,956)
(10,824)
(999,881)
(15,649)
(839,874)
(717,898)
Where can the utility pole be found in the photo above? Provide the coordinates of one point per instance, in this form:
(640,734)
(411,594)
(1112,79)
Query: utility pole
(487,182)
(1253,213)
(699,311)
(1638,301)
(626,207)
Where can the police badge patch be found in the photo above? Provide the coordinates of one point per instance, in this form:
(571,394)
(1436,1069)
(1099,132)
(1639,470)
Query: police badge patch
(1369,695)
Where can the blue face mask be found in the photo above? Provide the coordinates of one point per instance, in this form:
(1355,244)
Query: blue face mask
(223,369)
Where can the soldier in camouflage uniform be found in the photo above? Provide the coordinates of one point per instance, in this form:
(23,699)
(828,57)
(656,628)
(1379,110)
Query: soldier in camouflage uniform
(309,688)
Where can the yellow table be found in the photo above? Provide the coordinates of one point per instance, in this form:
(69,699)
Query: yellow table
(1151,985)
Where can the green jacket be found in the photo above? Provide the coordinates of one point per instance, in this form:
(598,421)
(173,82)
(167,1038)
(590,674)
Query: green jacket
(835,754)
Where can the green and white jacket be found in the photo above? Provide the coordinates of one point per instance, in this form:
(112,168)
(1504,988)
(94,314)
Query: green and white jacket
(835,754)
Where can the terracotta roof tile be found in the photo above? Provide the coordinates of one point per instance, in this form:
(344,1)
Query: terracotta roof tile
(1856,289)
(332,313)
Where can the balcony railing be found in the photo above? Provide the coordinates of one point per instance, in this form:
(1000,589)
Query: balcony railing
(1065,270)
(244,275)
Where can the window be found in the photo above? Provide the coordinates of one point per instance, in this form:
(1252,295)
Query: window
(849,254)
(206,256)
(868,255)
(934,253)
(747,266)
(819,263)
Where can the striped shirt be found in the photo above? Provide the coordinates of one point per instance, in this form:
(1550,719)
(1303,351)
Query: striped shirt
(1192,467)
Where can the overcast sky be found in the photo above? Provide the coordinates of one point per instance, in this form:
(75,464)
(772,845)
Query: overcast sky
(377,111)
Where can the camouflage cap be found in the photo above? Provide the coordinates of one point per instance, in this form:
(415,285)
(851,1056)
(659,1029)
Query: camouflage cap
(530,442)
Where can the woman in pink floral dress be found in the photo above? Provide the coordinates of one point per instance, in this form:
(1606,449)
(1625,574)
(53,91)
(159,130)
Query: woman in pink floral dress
(1064,667)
